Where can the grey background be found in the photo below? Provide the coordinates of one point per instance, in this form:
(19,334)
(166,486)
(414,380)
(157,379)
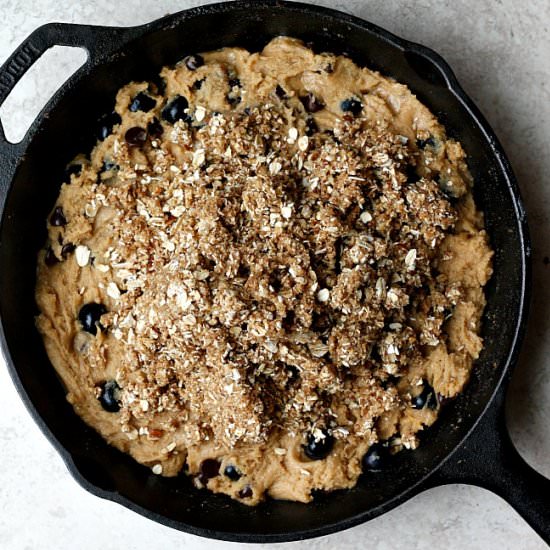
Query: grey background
(500,51)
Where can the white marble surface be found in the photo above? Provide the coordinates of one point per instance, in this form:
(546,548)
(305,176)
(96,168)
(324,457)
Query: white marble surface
(500,51)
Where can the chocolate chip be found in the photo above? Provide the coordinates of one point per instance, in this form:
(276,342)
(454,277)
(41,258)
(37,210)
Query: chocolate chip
(73,169)
(142,102)
(275,281)
(210,468)
(279,91)
(157,85)
(109,396)
(135,136)
(197,85)
(233,100)
(50,258)
(243,271)
(293,373)
(318,449)
(351,105)
(193,62)
(289,320)
(154,128)
(232,473)
(57,219)
(390,382)
(311,126)
(412,174)
(67,249)
(245,492)
(320,322)
(311,103)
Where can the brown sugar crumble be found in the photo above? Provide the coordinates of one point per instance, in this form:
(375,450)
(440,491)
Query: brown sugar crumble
(259,293)
(252,272)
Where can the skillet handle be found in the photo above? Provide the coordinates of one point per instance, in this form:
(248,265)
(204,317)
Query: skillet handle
(488,459)
(98,41)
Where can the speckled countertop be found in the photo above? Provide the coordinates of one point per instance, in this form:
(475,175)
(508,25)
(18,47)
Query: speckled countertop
(499,51)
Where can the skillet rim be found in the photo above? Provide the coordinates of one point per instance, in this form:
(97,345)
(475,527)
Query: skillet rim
(482,126)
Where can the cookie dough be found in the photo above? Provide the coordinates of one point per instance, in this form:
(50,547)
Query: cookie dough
(268,273)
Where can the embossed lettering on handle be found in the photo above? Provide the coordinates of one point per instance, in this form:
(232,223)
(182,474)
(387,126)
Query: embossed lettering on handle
(17,66)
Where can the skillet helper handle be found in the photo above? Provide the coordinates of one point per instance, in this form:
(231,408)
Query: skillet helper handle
(98,41)
(489,459)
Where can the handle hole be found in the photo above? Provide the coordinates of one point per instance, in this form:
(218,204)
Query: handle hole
(36,87)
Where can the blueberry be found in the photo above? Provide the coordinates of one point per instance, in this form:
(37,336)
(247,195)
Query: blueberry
(193,62)
(57,219)
(376,457)
(50,258)
(135,136)
(318,450)
(106,124)
(245,492)
(234,82)
(232,473)
(109,396)
(175,110)
(67,249)
(426,397)
(351,105)
(89,316)
(154,128)
(311,103)
(142,102)
(423,143)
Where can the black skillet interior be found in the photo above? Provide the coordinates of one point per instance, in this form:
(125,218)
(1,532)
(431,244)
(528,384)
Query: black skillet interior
(56,138)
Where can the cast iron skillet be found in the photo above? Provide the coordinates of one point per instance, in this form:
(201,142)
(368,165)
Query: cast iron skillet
(469,443)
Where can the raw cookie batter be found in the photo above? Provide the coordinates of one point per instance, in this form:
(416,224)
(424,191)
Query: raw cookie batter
(268,273)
